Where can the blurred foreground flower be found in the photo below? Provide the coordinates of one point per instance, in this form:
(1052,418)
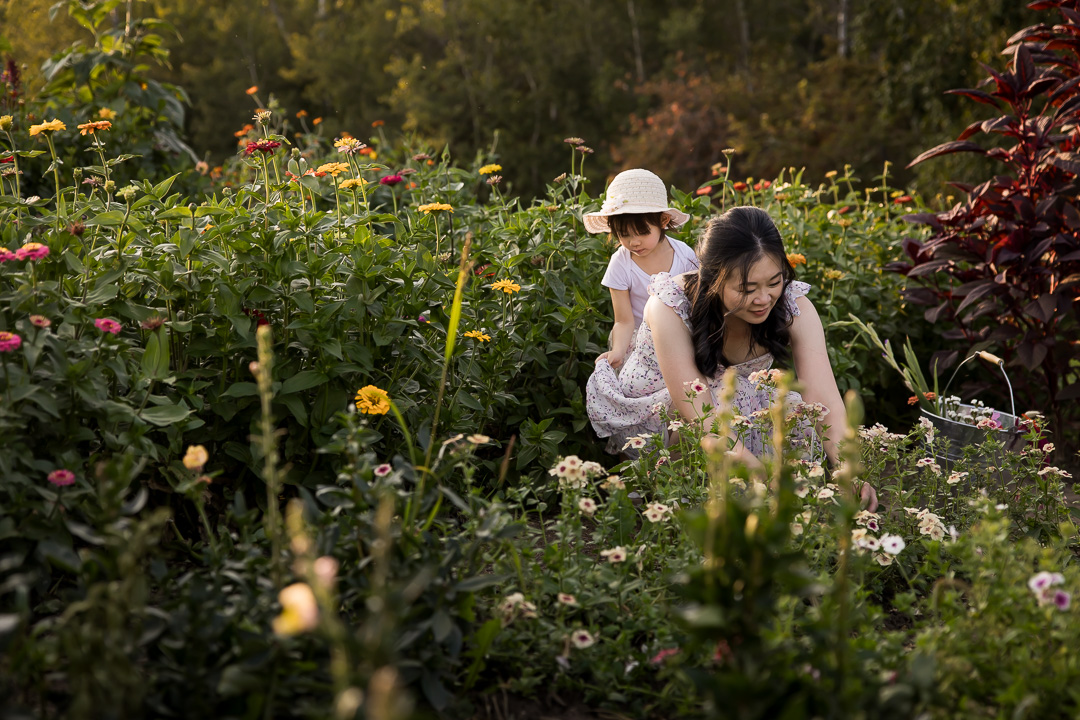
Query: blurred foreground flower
(62,477)
(32,251)
(299,610)
(195,457)
(9,341)
(796,259)
(107,325)
(488,169)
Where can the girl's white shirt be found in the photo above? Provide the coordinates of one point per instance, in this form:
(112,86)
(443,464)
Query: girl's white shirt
(624,274)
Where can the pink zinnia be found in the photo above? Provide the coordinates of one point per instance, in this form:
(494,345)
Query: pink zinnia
(32,251)
(390,179)
(9,341)
(6,255)
(107,325)
(266,146)
(40,321)
(62,477)
(1062,599)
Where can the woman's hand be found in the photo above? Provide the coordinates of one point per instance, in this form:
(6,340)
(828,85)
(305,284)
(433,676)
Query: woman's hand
(868,497)
(614,357)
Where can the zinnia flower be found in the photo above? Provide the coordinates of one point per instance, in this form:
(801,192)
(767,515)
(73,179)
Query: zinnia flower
(333,168)
(707,190)
(263,146)
(40,321)
(6,255)
(377,123)
(371,400)
(488,169)
(796,259)
(9,341)
(195,457)
(107,325)
(299,610)
(47,127)
(567,599)
(252,90)
(587,505)
(62,477)
(91,127)
(435,207)
(32,251)
(352,182)
(573,141)
(390,180)
(902,199)
(106,113)
(507,286)
(349,145)
(476,334)
(383,470)
(615,554)
(739,186)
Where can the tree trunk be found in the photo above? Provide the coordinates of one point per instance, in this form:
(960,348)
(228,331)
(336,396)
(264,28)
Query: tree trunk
(842,28)
(636,36)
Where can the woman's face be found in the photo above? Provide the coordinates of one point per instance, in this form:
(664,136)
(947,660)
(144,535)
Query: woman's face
(754,300)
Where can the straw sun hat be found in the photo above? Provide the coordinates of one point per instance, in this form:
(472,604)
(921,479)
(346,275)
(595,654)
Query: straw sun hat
(633,191)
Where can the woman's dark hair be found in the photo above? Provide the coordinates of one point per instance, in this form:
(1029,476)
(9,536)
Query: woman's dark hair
(634,223)
(732,243)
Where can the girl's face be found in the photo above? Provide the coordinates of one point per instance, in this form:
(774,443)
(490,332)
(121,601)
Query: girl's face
(754,300)
(641,246)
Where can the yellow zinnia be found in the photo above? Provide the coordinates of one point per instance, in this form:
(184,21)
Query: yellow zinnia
(334,168)
(434,207)
(488,169)
(49,126)
(478,335)
(370,400)
(353,182)
(507,286)
(106,114)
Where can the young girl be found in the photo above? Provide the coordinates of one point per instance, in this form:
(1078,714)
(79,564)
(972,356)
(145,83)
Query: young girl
(740,311)
(636,213)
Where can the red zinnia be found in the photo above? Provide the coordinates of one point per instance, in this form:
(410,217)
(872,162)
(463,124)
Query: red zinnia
(390,179)
(707,190)
(740,186)
(62,477)
(902,199)
(763,185)
(265,146)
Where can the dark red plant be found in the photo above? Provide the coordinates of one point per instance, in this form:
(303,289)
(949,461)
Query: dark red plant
(1002,267)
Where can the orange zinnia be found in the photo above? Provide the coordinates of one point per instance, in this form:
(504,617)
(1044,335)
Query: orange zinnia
(252,90)
(90,127)
(796,259)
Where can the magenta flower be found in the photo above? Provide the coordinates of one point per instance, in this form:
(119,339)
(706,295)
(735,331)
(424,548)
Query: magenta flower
(32,251)
(6,255)
(1062,599)
(264,146)
(62,477)
(9,341)
(107,325)
(390,179)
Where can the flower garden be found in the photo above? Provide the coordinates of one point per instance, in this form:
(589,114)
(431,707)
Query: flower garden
(304,436)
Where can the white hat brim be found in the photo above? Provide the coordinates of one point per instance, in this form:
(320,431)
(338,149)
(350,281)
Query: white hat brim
(596,222)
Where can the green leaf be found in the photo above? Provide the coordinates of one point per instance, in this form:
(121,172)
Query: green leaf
(241,389)
(164,415)
(112,218)
(176,213)
(303,381)
(480,582)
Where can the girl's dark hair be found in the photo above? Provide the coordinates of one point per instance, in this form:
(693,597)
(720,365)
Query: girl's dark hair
(732,243)
(634,223)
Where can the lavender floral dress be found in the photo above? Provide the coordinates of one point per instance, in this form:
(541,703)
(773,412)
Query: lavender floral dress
(621,405)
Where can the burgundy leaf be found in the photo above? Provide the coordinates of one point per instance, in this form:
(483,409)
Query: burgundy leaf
(1069,392)
(1064,89)
(970,130)
(1067,161)
(976,95)
(946,149)
(933,314)
(930,219)
(1024,67)
(1031,356)
(973,296)
(927,268)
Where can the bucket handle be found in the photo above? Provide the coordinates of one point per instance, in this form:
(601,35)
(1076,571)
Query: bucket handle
(993,360)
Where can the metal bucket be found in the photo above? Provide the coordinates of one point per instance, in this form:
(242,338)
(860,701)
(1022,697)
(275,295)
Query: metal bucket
(961,435)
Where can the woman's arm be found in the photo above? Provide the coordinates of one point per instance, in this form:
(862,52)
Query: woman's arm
(675,355)
(815,372)
(624,327)
(816,376)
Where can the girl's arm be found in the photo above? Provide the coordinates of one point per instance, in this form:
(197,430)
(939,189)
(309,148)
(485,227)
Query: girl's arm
(623,330)
(816,375)
(675,355)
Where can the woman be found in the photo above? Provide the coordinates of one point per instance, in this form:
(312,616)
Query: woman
(742,310)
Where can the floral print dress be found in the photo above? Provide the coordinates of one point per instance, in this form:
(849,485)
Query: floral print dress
(622,404)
